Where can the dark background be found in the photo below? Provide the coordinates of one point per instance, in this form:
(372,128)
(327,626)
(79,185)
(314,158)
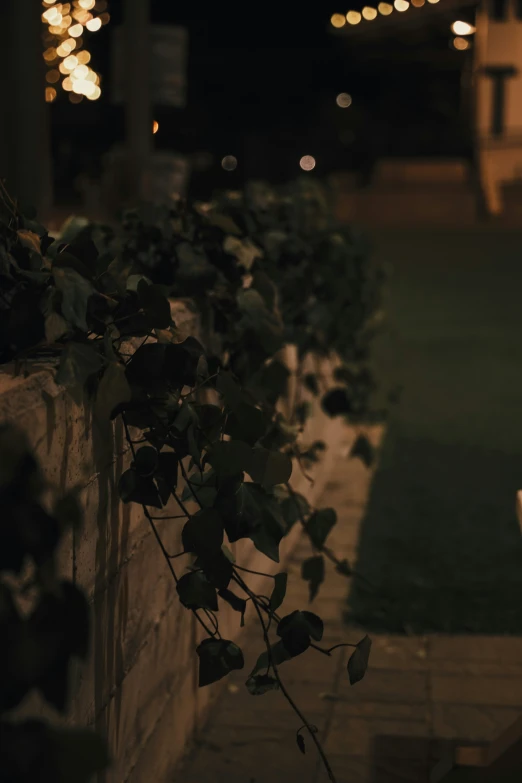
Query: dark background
(262,83)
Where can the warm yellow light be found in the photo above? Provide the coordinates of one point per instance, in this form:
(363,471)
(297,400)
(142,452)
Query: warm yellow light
(155,126)
(344,100)
(369,13)
(338,20)
(418,3)
(385,9)
(307,162)
(67,84)
(462,28)
(76,30)
(91,77)
(433,2)
(53,76)
(106,18)
(353,17)
(461,44)
(80,72)
(229,163)
(95,95)
(50,54)
(50,94)
(93,25)
(70,62)
(401,5)
(84,57)
(49,2)
(87,4)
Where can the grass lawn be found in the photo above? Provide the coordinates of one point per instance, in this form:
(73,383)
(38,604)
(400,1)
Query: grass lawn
(440,538)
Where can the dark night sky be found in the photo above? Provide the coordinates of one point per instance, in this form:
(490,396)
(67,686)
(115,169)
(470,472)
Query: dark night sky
(262,82)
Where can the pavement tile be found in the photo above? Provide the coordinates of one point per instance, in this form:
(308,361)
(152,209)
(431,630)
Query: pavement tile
(477,649)
(472,722)
(358,769)
(386,685)
(464,689)
(356,736)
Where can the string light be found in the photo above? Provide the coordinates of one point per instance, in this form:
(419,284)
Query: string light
(385,9)
(353,17)
(462,28)
(418,3)
(461,44)
(307,163)
(401,5)
(229,163)
(344,100)
(338,20)
(64,28)
(155,126)
(369,13)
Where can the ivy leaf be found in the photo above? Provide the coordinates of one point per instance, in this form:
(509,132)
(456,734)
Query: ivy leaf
(134,488)
(279,591)
(218,569)
(155,305)
(312,571)
(246,423)
(146,461)
(363,450)
(113,390)
(337,402)
(202,369)
(294,508)
(229,458)
(260,684)
(76,292)
(269,468)
(168,468)
(196,592)
(319,526)
(257,317)
(261,518)
(278,654)
(229,390)
(310,381)
(203,532)
(217,658)
(78,363)
(296,630)
(55,327)
(358,662)
(237,603)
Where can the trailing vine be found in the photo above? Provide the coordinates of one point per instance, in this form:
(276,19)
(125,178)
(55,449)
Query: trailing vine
(210,448)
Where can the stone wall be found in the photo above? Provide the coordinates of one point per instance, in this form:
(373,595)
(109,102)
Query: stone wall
(139,687)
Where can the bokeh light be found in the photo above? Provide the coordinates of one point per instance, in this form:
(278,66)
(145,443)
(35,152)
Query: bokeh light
(155,126)
(50,94)
(353,17)
(369,13)
(343,100)
(64,28)
(462,28)
(461,44)
(338,20)
(229,163)
(385,9)
(401,5)
(307,163)
(418,3)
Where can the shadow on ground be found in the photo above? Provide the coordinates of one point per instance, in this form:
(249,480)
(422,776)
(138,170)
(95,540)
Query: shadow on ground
(440,539)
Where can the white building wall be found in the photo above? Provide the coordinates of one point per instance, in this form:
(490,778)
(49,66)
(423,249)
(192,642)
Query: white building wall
(499,44)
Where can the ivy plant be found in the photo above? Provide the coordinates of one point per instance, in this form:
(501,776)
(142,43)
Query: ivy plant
(44,624)
(210,451)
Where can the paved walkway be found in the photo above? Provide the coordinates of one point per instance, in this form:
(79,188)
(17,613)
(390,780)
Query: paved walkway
(439,537)
(419,692)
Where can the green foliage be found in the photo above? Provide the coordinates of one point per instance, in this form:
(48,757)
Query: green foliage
(37,647)
(263,270)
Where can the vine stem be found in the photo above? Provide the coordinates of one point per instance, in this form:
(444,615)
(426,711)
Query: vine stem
(293,705)
(324,549)
(157,536)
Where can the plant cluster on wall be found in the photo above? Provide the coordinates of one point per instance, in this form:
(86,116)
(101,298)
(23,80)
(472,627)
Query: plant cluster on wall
(202,419)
